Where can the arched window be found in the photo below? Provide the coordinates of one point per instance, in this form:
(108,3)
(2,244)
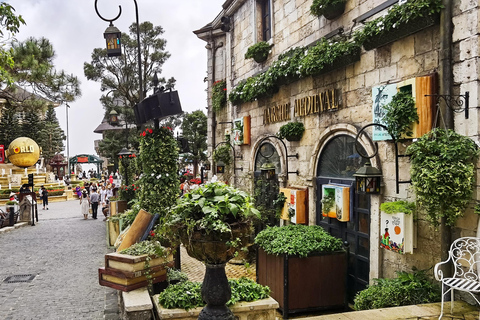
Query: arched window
(268,154)
(339,158)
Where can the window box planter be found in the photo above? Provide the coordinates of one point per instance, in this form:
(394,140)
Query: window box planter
(260,309)
(402,30)
(341,62)
(317,282)
(334,11)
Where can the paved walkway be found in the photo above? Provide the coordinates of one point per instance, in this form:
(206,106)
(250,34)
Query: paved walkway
(63,252)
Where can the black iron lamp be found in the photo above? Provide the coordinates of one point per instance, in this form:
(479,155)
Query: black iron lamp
(368,179)
(113,117)
(112,37)
(268,170)
(220,167)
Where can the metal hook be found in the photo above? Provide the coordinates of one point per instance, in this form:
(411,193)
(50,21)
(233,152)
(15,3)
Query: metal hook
(108,20)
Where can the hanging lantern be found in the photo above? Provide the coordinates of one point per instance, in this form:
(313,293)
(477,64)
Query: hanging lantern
(112,37)
(206,167)
(368,179)
(113,117)
(268,171)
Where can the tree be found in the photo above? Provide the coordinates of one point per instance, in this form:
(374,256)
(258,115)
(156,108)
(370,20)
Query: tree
(119,77)
(31,124)
(51,136)
(9,125)
(9,22)
(194,129)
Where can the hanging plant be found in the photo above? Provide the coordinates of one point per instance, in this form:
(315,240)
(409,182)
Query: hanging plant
(443,173)
(292,131)
(259,51)
(219,95)
(400,113)
(330,9)
(223,154)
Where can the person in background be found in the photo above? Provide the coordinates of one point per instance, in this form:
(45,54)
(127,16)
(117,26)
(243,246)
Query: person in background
(85,204)
(94,198)
(44,197)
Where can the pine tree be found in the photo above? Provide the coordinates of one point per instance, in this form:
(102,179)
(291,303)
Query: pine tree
(51,135)
(9,125)
(31,125)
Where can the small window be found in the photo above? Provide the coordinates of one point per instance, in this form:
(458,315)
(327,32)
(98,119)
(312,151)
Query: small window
(266,21)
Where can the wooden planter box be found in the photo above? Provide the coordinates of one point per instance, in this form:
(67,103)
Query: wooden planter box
(400,32)
(113,228)
(259,310)
(313,283)
(125,272)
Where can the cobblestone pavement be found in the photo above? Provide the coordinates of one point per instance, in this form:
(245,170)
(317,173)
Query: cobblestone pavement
(63,252)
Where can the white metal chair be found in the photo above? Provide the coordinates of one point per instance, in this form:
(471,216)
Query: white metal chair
(465,255)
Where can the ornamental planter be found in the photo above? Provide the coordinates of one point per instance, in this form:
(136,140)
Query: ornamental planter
(126,272)
(402,30)
(341,62)
(297,137)
(260,57)
(334,11)
(264,309)
(317,282)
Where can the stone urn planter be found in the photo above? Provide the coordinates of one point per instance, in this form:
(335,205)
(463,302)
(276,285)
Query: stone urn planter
(213,222)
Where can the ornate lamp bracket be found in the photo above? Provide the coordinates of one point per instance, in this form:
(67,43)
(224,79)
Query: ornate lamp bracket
(457,103)
(286,152)
(234,155)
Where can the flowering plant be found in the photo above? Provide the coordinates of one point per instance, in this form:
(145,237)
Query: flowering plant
(259,51)
(219,95)
(196,181)
(158,185)
(319,7)
(127,193)
(397,17)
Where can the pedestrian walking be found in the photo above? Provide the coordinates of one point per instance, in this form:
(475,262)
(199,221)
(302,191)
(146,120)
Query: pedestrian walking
(85,204)
(94,198)
(44,197)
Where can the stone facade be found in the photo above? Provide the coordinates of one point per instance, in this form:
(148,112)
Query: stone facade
(413,56)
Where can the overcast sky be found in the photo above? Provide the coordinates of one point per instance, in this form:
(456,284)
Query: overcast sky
(74,29)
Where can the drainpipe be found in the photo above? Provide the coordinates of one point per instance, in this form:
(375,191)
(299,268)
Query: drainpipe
(446,79)
(213,47)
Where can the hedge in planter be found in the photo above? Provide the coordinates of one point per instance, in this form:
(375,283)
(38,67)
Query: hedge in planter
(443,173)
(304,266)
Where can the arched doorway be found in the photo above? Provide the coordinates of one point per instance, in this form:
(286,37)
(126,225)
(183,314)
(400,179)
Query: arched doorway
(337,163)
(86,158)
(266,190)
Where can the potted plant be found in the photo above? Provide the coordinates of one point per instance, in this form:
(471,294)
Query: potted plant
(219,95)
(401,20)
(330,9)
(259,51)
(400,114)
(212,222)
(443,174)
(288,251)
(292,131)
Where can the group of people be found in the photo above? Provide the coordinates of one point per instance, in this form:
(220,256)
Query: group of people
(90,197)
(25,189)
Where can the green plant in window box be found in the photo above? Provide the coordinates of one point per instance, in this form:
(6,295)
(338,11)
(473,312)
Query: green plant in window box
(400,113)
(259,51)
(292,131)
(330,9)
(443,174)
(328,202)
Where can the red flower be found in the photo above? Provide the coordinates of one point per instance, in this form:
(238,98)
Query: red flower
(152,234)
(150,131)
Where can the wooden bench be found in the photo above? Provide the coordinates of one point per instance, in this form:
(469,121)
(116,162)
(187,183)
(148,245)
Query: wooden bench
(464,254)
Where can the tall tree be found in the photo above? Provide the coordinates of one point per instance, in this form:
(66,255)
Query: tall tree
(9,24)
(51,136)
(194,129)
(9,125)
(119,77)
(31,124)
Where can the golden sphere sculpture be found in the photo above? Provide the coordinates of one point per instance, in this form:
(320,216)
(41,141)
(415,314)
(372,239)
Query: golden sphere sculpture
(23,152)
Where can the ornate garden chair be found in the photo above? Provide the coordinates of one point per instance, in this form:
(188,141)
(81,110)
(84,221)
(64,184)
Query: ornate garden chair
(465,255)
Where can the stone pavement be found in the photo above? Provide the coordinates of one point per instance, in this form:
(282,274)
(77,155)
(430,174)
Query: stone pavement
(63,252)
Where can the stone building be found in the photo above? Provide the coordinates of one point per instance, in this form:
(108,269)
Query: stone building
(439,57)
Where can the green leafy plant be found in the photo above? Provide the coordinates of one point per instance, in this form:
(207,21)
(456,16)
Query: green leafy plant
(148,247)
(299,240)
(219,95)
(400,113)
(223,153)
(174,275)
(328,202)
(259,51)
(398,206)
(406,289)
(212,208)
(187,295)
(319,7)
(291,129)
(11,203)
(397,17)
(443,173)
(269,205)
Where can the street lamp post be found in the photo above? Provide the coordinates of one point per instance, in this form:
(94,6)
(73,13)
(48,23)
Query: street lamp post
(109,35)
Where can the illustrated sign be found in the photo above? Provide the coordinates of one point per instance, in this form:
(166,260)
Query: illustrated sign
(381,96)
(397,232)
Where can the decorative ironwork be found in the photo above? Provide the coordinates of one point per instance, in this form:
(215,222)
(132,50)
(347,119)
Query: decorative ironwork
(286,152)
(456,103)
(234,156)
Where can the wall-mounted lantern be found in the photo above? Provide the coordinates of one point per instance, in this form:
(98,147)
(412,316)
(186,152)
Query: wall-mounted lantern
(368,179)
(112,37)
(113,117)
(268,170)
(220,168)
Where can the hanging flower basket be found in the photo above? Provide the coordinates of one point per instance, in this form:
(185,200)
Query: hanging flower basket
(401,31)
(297,137)
(341,62)
(260,57)
(334,11)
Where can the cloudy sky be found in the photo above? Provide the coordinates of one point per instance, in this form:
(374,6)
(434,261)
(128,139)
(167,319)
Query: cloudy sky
(75,30)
